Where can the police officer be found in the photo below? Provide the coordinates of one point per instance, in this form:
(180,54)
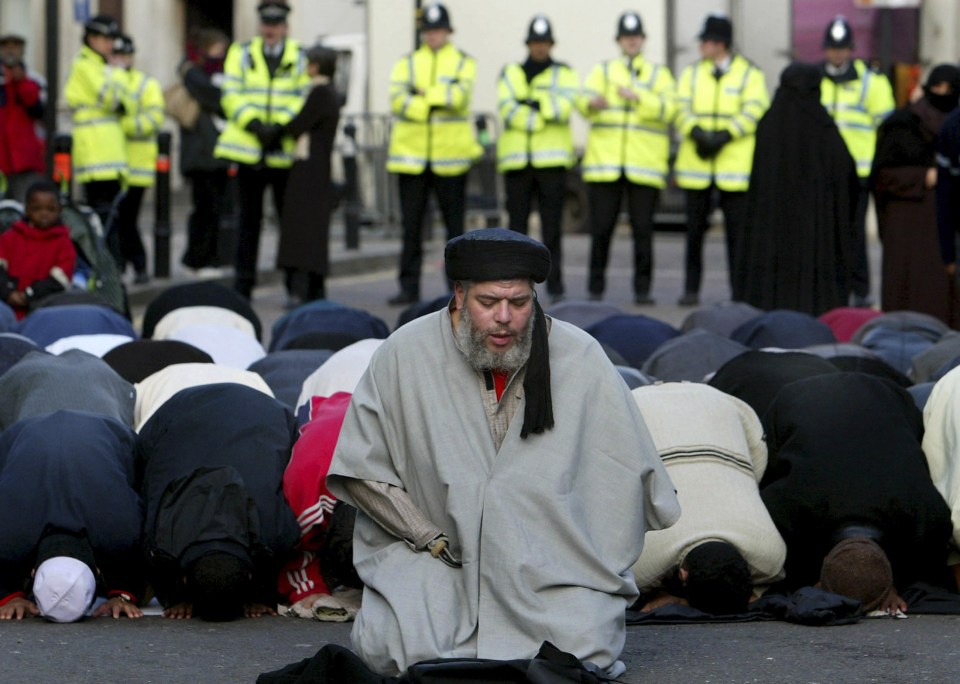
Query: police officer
(629,103)
(265,82)
(721,99)
(141,122)
(535,99)
(858,99)
(432,142)
(94,92)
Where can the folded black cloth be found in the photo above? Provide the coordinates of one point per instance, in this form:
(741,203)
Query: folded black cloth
(336,664)
(929,599)
(806,606)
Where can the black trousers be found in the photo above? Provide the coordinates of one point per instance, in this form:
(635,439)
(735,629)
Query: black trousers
(860,276)
(208,190)
(99,196)
(699,203)
(549,187)
(451,194)
(605,201)
(252,182)
(124,239)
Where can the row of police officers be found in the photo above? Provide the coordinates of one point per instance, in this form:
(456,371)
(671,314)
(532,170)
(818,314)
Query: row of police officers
(631,105)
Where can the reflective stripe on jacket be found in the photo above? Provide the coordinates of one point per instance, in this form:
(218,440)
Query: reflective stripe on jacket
(734,103)
(859,106)
(250,94)
(93,92)
(536,136)
(430,96)
(143,102)
(629,138)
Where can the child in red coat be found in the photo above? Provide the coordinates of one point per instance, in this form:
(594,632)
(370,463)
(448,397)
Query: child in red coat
(37,256)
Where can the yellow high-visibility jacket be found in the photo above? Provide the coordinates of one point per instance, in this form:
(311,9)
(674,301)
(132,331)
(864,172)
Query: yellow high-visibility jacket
(734,103)
(250,93)
(537,136)
(141,122)
(430,96)
(629,138)
(859,106)
(93,91)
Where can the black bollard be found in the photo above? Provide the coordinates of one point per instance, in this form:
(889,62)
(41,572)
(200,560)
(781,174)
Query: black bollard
(351,207)
(161,226)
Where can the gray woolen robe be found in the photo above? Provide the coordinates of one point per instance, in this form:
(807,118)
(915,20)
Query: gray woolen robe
(547,528)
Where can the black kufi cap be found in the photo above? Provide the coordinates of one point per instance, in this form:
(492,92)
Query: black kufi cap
(838,34)
(496,254)
(102,25)
(629,24)
(501,254)
(717,27)
(273,11)
(540,30)
(435,16)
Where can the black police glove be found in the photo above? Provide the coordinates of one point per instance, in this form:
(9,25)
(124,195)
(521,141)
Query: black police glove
(702,140)
(121,110)
(255,127)
(269,137)
(720,138)
(532,104)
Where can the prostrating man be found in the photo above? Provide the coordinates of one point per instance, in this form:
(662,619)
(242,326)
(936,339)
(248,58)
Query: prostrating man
(217,529)
(479,476)
(535,149)
(849,489)
(70,518)
(432,142)
(858,99)
(721,99)
(629,103)
(725,543)
(265,82)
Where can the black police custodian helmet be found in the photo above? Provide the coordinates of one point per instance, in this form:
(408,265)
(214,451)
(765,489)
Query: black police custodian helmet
(435,16)
(102,25)
(629,24)
(540,30)
(123,45)
(273,11)
(717,27)
(838,34)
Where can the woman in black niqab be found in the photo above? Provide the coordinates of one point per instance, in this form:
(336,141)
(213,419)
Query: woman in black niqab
(795,253)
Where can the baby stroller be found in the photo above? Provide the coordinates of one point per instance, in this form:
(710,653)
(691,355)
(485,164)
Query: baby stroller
(95,270)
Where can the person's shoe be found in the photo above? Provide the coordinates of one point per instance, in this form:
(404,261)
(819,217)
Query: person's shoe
(403,298)
(689,299)
(141,278)
(596,296)
(643,299)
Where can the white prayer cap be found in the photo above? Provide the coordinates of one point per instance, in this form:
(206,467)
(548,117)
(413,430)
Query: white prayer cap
(64,589)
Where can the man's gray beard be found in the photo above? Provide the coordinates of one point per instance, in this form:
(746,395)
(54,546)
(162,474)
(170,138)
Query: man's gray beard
(473,344)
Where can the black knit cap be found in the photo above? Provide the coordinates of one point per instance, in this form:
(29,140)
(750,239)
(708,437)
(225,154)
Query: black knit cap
(501,254)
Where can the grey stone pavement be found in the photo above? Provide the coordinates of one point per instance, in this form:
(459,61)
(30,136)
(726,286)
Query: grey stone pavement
(917,649)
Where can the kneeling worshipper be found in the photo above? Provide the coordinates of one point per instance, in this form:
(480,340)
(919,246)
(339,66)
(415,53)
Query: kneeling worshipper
(217,528)
(70,518)
(941,446)
(42,383)
(849,489)
(478,448)
(725,543)
(320,581)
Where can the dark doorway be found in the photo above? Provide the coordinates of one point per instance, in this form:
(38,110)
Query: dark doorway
(202,14)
